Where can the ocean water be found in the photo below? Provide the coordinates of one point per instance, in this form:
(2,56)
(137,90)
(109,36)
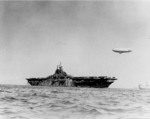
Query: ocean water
(28,102)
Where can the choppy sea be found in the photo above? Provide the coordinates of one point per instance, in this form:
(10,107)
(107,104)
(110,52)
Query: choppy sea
(28,102)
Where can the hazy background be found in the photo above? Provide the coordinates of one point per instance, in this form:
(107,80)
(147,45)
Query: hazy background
(36,36)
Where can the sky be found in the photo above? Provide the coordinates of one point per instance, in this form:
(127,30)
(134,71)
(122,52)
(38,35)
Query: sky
(35,36)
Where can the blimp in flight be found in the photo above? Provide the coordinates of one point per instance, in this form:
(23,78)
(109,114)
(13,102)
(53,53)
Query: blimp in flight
(121,50)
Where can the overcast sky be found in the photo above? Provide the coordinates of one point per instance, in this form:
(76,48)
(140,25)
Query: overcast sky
(36,36)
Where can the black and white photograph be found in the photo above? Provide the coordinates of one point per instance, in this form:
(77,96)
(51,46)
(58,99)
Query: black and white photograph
(75,59)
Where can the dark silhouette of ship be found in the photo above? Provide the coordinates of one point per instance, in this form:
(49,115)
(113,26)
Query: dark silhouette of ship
(61,79)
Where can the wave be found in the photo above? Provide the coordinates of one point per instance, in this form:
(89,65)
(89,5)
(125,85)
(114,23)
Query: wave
(26,102)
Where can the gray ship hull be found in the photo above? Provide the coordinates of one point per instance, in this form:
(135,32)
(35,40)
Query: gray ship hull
(61,79)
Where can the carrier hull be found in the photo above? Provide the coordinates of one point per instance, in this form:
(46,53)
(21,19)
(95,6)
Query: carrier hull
(61,79)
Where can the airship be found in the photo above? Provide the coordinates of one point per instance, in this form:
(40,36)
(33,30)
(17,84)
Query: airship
(121,50)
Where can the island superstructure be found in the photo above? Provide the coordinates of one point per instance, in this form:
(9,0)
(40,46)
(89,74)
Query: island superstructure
(61,79)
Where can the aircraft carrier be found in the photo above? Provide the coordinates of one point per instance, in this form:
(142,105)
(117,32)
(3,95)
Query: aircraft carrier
(61,79)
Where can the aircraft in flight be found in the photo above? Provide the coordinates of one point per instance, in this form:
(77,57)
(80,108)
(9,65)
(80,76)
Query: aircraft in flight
(121,50)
